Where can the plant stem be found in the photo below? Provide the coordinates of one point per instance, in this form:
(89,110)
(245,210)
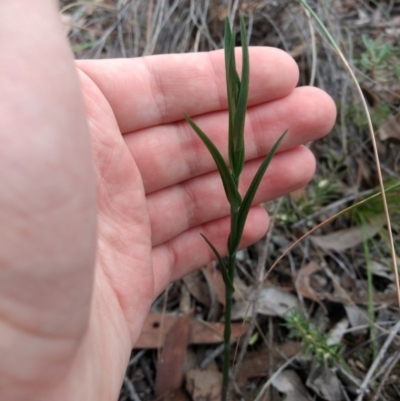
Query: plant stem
(227,333)
(228,303)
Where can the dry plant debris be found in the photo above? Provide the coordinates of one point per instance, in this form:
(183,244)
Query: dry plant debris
(343,272)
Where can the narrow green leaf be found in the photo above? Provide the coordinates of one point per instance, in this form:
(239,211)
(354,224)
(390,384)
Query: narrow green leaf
(229,87)
(224,270)
(249,197)
(241,107)
(231,191)
(232,82)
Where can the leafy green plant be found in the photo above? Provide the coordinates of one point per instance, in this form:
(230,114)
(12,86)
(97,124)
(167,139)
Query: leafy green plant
(316,344)
(237,91)
(377,53)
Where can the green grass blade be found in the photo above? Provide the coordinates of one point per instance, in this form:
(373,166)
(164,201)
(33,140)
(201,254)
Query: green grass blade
(229,185)
(321,24)
(249,197)
(241,107)
(232,82)
(224,270)
(229,87)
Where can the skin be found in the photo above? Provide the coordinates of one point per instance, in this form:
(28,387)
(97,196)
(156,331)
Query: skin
(105,190)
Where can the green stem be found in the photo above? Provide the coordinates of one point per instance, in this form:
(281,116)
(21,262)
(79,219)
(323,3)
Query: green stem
(228,302)
(227,333)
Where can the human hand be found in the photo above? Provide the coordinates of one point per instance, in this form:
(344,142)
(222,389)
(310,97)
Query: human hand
(73,297)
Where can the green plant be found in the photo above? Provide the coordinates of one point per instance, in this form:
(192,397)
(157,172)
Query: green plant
(377,53)
(315,343)
(237,91)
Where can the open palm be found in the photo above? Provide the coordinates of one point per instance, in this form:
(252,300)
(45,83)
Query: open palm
(158,187)
(75,299)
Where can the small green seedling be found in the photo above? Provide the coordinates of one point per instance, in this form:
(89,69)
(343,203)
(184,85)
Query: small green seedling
(378,53)
(316,344)
(237,90)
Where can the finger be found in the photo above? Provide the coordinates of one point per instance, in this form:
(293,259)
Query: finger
(173,153)
(203,199)
(175,258)
(149,91)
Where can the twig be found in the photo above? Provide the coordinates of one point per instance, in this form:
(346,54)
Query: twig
(274,376)
(386,375)
(214,354)
(133,395)
(135,359)
(147,372)
(364,386)
(331,206)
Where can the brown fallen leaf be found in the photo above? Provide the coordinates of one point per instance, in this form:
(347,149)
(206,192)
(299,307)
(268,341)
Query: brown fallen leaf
(390,128)
(204,385)
(169,375)
(289,382)
(272,301)
(255,363)
(197,287)
(324,382)
(153,333)
(303,284)
(356,294)
(215,277)
(344,239)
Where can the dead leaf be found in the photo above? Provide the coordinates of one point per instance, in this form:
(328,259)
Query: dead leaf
(303,284)
(169,375)
(337,332)
(325,383)
(255,363)
(358,317)
(215,277)
(213,333)
(390,128)
(289,383)
(197,287)
(272,301)
(344,239)
(204,385)
(153,333)
(381,270)
(356,294)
